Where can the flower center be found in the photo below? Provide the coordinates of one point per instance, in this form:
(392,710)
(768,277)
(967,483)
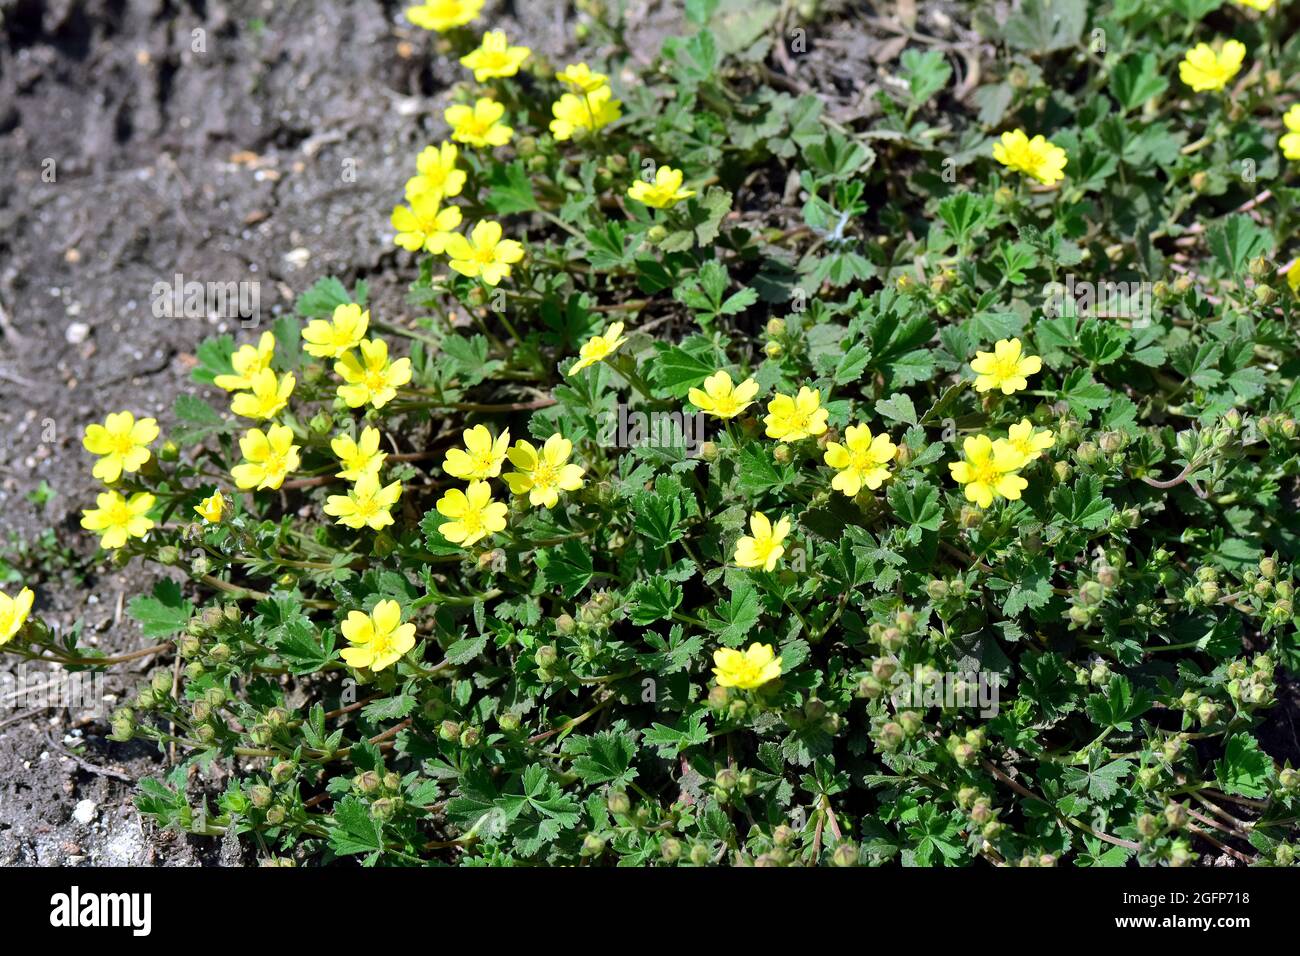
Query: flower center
(376,379)
(985,472)
(472,522)
(545,475)
(122,444)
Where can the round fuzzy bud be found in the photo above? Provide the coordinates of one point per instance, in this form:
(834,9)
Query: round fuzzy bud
(727,778)
(890,736)
(936,589)
(700,855)
(449,731)
(782,454)
(281,772)
(546,656)
(1087,453)
(592,845)
(1289,778)
(470,736)
(1111,443)
(911,722)
(783,835)
(618,803)
(1108,577)
(846,854)
(671,850)
(709,450)
(775,327)
(1091,594)
(869,688)
(774,350)
(1176,816)
(261,796)
(275,816)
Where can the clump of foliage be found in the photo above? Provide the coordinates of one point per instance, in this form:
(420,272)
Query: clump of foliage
(947,516)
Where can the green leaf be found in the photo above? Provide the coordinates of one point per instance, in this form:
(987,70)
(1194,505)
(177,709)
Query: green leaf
(354,830)
(897,408)
(1236,240)
(511,189)
(604,758)
(1244,769)
(655,599)
(566,566)
(926,74)
(163,614)
(1137,79)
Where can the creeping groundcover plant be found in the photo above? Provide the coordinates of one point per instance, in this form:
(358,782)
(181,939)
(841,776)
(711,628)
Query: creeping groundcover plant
(748,483)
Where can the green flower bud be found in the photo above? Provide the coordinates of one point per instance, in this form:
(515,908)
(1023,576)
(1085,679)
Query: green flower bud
(936,589)
(275,816)
(775,327)
(508,723)
(656,234)
(782,454)
(1091,594)
(890,737)
(869,688)
(1284,855)
(709,450)
(261,796)
(1176,816)
(726,779)
(1112,442)
(169,451)
(282,771)
(700,855)
(1180,854)
(783,835)
(1087,453)
(470,736)
(846,854)
(449,731)
(546,656)
(671,850)
(1100,673)
(618,803)
(774,350)
(911,722)
(1289,778)
(219,653)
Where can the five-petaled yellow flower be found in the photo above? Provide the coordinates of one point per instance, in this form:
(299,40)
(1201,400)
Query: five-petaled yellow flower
(247,361)
(585,112)
(1204,70)
(333,337)
(599,347)
(481,457)
(436,173)
(1260,5)
(792,418)
(366,505)
(484,255)
(13,613)
(1293,277)
(268,457)
(119,519)
(473,512)
(1039,157)
(122,442)
(762,547)
(581,78)
(359,457)
(720,398)
(666,191)
(1029,442)
(479,125)
(269,395)
(861,460)
(495,57)
(746,670)
(371,378)
(424,224)
(444,15)
(378,639)
(1006,367)
(989,470)
(1290,141)
(211,508)
(542,475)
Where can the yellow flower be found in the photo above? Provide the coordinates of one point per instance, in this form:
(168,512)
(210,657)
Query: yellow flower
(861,460)
(481,457)
(345,330)
(1260,5)
(268,397)
(988,471)
(720,398)
(588,112)
(752,668)
(1028,442)
(247,362)
(424,225)
(1006,367)
(762,547)
(543,476)
(790,419)
(119,519)
(1037,157)
(1293,277)
(484,254)
(122,442)
(371,378)
(479,125)
(211,507)
(436,173)
(1290,141)
(665,192)
(359,457)
(366,505)
(495,57)
(581,78)
(378,639)
(444,15)
(268,457)
(13,613)
(599,347)
(473,512)
(1203,69)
